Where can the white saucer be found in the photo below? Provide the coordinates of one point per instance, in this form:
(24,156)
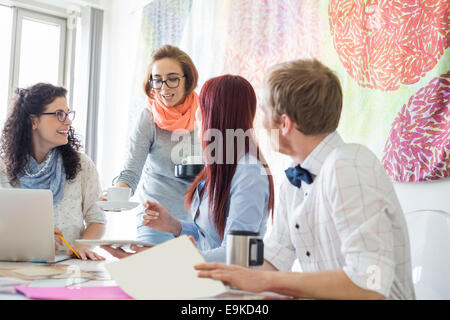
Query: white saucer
(116,243)
(116,205)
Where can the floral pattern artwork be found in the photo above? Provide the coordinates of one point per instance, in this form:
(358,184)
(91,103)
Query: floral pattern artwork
(385,43)
(418,147)
(385,52)
(263,33)
(163,22)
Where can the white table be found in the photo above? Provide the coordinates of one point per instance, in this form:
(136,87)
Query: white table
(99,267)
(82,266)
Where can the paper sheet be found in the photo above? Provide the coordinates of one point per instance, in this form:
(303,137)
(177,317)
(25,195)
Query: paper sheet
(165,271)
(37,271)
(16,265)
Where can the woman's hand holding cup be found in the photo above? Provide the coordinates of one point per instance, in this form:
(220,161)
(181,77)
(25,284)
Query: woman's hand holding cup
(120,192)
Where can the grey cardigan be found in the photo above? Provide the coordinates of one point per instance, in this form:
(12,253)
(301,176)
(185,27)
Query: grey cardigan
(155,152)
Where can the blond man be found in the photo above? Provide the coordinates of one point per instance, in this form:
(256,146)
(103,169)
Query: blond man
(338,213)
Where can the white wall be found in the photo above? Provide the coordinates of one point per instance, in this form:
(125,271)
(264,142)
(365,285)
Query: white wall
(122,20)
(119,52)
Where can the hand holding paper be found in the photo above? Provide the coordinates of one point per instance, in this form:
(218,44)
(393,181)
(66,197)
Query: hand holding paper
(166,271)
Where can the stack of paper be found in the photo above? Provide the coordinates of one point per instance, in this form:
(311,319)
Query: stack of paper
(7,284)
(39,272)
(165,271)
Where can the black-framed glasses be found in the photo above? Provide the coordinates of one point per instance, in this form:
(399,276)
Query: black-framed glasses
(62,115)
(172,82)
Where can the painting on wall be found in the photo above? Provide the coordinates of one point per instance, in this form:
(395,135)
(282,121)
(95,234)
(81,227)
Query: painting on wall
(392,58)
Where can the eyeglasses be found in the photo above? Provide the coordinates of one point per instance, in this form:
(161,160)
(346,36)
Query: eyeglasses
(170,83)
(62,115)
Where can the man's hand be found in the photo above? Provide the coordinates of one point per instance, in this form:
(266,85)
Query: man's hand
(237,276)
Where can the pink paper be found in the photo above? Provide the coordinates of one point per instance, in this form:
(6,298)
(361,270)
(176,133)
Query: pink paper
(73,293)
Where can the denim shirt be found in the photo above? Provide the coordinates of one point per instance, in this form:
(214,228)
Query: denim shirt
(247,210)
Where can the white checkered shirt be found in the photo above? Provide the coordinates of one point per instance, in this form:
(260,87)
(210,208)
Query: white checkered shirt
(349,219)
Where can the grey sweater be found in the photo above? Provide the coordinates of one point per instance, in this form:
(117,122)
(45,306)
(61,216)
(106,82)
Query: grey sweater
(155,152)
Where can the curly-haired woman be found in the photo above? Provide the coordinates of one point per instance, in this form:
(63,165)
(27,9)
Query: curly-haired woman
(39,150)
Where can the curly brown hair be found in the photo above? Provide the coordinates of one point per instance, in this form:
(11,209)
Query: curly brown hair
(15,141)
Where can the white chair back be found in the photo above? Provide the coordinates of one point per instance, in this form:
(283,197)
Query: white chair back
(427,195)
(427,207)
(429,234)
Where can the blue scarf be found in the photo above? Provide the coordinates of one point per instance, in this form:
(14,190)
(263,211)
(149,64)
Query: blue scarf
(49,174)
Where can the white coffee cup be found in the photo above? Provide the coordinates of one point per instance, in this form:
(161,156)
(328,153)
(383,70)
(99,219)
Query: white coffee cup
(118,194)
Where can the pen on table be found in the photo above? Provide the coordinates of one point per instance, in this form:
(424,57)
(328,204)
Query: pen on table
(63,240)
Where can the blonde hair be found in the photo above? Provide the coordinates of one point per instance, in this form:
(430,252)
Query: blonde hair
(188,67)
(308,92)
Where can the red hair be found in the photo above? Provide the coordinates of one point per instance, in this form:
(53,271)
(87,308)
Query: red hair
(226,102)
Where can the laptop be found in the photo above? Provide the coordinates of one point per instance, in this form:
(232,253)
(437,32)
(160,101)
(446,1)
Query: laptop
(26,226)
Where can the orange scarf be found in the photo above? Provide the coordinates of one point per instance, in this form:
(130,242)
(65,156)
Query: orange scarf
(181,116)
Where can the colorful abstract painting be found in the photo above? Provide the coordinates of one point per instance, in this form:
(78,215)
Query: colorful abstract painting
(163,22)
(391,56)
(418,147)
(262,33)
(383,44)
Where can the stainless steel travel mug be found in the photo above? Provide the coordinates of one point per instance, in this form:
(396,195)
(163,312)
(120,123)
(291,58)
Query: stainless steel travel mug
(245,248)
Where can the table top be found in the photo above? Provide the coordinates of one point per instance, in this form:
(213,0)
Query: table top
(102,279)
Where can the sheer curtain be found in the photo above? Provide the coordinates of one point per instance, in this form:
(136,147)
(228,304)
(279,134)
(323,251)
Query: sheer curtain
(214,37)
(205,37)
(162,22)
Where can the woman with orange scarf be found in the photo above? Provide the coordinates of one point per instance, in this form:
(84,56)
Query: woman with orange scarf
(170,112)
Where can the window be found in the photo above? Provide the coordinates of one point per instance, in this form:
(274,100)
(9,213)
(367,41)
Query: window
(6,18)
(33,50)
(39,50)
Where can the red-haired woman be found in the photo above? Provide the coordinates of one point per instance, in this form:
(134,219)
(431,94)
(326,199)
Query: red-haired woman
(235,189)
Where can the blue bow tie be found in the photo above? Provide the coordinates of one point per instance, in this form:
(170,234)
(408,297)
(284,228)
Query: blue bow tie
(297,174)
